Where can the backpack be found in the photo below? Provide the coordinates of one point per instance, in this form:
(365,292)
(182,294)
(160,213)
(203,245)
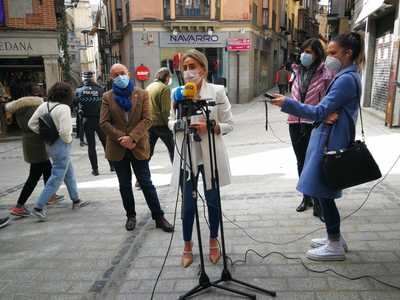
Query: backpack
(47,129)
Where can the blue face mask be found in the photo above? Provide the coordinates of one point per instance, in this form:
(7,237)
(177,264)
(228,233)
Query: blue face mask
(306,59)
(121,81)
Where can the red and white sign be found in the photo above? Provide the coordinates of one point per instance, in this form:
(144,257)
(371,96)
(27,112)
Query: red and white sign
(239,44)
(142,73)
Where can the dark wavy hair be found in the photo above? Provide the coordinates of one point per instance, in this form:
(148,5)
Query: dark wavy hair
(352,41)
(60,92)
(317,48)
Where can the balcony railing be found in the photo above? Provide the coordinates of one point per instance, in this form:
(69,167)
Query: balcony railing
(193,9)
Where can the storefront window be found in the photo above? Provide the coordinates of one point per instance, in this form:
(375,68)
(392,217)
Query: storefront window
(18,75)
(171,58)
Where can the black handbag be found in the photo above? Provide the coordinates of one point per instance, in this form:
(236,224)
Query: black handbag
(47,129)
(351,166)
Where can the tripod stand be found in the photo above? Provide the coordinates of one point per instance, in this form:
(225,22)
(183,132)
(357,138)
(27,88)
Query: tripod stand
(204,281)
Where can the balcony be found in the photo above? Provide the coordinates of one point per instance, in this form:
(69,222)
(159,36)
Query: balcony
(193,9)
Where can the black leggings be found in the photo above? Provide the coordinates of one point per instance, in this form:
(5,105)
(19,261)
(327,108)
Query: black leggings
(332,218)
(35,172)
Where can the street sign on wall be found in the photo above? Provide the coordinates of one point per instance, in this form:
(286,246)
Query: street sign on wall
(240,45)
(142,73)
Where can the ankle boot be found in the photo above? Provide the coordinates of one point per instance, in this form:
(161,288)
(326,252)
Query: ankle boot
(307,202)
(215,253)
(187,256)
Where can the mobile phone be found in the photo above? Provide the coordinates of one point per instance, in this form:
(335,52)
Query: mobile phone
(268,95)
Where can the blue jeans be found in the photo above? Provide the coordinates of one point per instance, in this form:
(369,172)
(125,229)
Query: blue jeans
(188,210)
(62,171)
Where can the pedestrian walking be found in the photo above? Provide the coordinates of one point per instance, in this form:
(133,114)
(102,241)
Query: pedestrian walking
(282,78)
(160,99)
(339,106)
(34,150)
(312,78)
(89,97)
(125,119)
(59,101)
(195,69)
(79,134)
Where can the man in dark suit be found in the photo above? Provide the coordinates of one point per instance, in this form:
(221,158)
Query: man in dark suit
(125,118)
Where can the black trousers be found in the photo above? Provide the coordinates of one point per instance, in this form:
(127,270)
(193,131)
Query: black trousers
(36,171)
(141,169)
(91,126)
(165,135)
(79,128)
(300,137)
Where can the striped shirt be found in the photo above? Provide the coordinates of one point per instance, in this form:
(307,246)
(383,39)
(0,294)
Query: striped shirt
(316,90)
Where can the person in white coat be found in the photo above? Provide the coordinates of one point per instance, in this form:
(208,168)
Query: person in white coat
(195,69)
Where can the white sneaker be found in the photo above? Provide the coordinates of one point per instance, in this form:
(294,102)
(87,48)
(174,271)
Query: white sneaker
(315,243)
(331,251)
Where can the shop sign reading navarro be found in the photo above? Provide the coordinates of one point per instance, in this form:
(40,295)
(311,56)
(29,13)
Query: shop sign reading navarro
(193,39)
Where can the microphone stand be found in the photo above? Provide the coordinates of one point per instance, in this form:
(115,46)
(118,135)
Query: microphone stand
(226,276)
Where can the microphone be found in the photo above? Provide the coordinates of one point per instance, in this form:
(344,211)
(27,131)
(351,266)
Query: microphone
(190,90)
(178,105)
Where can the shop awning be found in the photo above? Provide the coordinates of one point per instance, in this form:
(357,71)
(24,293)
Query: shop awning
(370,7)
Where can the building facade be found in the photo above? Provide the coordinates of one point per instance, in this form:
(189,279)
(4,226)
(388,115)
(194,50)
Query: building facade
(380,20)
(156,33)
(28,46)
(82,40)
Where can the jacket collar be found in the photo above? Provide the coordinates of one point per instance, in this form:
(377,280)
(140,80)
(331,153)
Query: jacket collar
(351,68)
(204,93)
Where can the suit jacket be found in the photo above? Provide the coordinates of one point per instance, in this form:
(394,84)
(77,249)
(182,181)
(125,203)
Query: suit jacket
(115,125)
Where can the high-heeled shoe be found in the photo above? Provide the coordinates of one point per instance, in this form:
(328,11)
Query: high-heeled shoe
(215,253)
(187,255)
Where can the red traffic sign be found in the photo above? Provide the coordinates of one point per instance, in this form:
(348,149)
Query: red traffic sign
(239,44)
(142,73)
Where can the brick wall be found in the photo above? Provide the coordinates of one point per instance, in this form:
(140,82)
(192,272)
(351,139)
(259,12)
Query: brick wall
(39,15)
(382,64)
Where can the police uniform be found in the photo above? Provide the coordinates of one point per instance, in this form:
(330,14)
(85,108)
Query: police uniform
(90,97)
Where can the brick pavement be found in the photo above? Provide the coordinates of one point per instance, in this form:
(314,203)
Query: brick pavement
(88,254)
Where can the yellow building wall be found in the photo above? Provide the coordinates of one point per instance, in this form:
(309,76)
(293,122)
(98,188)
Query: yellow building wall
(293,8)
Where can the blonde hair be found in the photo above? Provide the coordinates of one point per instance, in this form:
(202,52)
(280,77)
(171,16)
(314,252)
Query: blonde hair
(197,56)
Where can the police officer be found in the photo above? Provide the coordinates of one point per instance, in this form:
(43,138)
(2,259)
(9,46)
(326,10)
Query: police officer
(90,97)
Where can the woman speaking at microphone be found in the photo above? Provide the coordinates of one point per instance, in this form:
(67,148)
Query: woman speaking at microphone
(195,70)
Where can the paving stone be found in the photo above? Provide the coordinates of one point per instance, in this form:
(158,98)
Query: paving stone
(347,285)
(338,295)
(381,295)
(308,284)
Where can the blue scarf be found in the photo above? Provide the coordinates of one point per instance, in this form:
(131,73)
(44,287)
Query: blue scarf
(123,96)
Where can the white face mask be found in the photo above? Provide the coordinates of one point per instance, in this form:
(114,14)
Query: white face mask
(169,81)
(333,64)
(306,59)
(191,76)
